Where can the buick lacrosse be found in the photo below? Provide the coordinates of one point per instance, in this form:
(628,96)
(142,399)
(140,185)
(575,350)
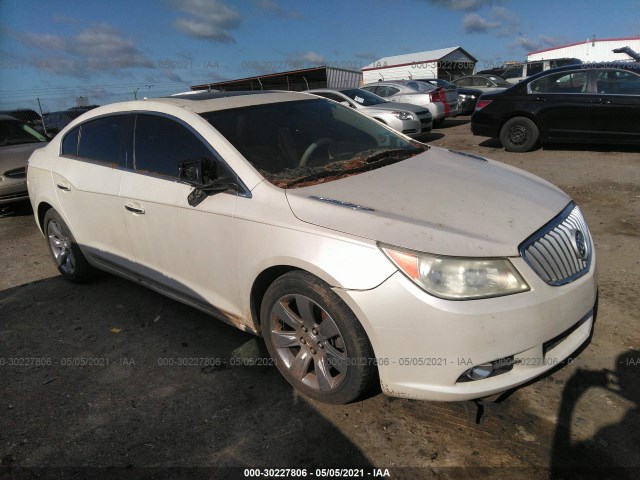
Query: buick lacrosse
(360,255)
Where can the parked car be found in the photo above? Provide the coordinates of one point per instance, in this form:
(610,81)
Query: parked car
(516,73)
(28,117)
(357,253)
(412,120)
(17,143)
(485,83)
(449,89)
(56,121)
(417,93)
(465,97)
(592,103)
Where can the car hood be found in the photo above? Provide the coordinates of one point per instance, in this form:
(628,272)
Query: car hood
(16,156)
(440,201)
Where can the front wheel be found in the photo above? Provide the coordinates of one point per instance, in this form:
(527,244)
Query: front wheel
(315,340)
(519,134)
(71,263)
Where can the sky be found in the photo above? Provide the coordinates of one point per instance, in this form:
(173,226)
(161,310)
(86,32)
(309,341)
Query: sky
(101,50)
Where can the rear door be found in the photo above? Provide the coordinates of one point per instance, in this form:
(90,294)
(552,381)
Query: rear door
(617,105)
(87,181)
(186,251)
(563,105)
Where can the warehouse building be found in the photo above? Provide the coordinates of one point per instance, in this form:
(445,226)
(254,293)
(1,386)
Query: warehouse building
(446,63)
(592,50)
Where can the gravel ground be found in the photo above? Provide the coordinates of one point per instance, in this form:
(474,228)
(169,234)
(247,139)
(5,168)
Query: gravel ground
(126,413)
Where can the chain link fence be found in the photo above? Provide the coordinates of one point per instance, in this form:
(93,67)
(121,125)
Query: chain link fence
(49,114)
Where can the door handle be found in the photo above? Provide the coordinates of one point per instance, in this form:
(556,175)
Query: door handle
(131,208)
(64,187)
(602,101)
(540,99)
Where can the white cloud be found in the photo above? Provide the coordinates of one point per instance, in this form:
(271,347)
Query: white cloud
(207,19)
(474,23)
(270,7)
(467,5)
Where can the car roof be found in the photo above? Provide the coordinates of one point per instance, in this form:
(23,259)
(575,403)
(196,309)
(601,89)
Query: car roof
(208,101)
(632,66)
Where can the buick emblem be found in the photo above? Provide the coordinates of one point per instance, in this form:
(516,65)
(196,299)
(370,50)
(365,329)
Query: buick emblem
(581,245)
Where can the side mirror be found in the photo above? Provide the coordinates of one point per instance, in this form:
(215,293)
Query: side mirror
(199,172)
(202,174)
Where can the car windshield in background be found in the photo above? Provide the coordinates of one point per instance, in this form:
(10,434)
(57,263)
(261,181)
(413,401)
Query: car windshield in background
(499,81)
(13,132)
(364,98)
(300,143)
(421,86)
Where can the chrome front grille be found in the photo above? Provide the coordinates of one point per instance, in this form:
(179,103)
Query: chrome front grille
(561,251)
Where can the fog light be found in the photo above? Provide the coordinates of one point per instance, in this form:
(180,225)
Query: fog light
(480,372)
(489,369)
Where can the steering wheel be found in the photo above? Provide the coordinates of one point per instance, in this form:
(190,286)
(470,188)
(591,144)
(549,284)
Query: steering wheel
(312,148)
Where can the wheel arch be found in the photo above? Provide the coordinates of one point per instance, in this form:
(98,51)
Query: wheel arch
(43,208)
(259,288)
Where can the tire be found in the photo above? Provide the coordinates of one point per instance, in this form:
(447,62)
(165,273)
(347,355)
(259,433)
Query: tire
(519,134)
(437,123)
(315,340)
(71,263)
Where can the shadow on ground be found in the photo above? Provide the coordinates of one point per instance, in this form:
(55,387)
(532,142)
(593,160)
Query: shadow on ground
(111,374)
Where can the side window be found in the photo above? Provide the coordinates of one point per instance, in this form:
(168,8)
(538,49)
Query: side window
(162,143)
(515,71)
(331,96)
(618,82)
(464,82)
(70,143)
(534,68)
(480,82)
(106,139)
(387,91)
(562,82)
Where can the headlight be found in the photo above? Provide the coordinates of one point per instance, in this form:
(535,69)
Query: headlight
(457,278)
(403,115)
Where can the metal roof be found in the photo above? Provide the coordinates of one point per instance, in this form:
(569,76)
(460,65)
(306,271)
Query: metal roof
(418,57)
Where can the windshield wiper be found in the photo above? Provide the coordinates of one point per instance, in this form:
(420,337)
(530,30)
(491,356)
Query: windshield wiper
(364,164)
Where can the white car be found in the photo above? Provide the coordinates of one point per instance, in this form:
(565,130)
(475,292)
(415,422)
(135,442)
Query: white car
(359,255)
(417,93)
(412,120)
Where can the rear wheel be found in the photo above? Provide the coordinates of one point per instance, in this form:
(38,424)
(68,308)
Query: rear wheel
(315,340)
(71,263)
(519,134)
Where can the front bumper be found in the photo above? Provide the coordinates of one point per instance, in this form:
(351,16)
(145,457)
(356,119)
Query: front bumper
(423,345)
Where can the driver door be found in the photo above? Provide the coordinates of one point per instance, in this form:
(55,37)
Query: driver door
(185,251)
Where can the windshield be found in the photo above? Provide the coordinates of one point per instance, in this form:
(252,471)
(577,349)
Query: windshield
(421,86)
(13,132)
(309,141)
(364,98)
(499,81)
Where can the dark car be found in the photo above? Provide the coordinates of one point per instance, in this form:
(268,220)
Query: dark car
(27,116)
(56,121)
(589,103)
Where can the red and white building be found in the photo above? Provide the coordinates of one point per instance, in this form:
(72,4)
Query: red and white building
(591,50)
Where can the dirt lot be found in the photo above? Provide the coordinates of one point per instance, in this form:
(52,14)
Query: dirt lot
(128,414)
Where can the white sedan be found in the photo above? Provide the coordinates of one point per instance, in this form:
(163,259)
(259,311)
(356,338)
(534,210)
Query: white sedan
(362,257)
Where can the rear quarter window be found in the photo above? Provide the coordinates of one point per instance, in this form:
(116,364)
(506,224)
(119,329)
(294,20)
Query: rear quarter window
(70,143)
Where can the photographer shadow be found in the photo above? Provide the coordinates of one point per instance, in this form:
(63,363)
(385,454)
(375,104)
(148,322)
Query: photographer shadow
(613,451)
